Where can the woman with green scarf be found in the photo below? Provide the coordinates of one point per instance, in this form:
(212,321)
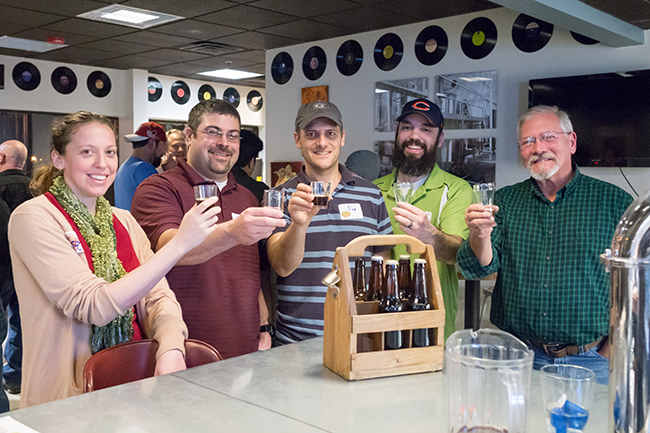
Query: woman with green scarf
(85,275)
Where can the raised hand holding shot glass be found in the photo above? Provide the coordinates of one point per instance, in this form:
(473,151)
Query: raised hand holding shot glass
(204,191)
(273,198)
(403,192)
(484,194)
(320,191)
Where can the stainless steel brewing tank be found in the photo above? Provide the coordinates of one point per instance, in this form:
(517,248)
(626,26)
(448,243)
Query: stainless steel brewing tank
(628,262)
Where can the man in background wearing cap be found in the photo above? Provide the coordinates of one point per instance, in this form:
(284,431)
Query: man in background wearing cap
(302,251)
(149,146)
(250,145)
(436,214)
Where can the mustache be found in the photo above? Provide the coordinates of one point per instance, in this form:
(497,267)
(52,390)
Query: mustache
(544,155)
(221,149)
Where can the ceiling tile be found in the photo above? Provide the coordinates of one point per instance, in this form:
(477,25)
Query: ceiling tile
(306,30)
(256,40)
(194,29)
(11,28)
(41,34)
(132,62)
(304,8)
(187,9)
(632,11)
(259,68)
(247,17)
(422,10)
(365,19)
(89,28)
(67,8)
(16,53)
(27,18)
(213,63)
(178,68)
(174,55)
(119,47)
(75,55)
(256,56)
(155,39)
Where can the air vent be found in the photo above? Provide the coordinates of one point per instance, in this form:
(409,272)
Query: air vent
(211,48)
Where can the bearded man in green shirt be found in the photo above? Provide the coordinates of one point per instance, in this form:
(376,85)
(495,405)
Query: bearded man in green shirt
(544,238)
(436,212)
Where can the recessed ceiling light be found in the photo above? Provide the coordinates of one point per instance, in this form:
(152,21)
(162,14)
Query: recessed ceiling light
(27,44)
(230,74)
(472,79)
(129,16)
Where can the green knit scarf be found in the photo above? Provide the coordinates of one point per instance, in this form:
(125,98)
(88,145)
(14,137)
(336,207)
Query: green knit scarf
(99,234)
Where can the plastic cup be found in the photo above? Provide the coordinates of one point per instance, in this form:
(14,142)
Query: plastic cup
(568,394)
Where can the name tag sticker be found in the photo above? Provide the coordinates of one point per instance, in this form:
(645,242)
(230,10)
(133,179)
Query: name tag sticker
(350,211)
(428,215)
(234,215)
(74,241)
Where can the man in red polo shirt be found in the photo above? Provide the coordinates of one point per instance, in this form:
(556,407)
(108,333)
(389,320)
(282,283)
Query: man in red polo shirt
(217,283)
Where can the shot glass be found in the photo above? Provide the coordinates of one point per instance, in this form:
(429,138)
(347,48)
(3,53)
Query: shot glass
(484,194)
(568,394)
(321,192)
(403,191)
(273,198)
(204,191)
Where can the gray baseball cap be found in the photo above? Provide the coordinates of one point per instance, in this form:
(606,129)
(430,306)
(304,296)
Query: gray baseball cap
(314,110)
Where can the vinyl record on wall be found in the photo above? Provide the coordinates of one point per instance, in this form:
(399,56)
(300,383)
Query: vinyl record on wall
(231,95)
(479,38)
(180,92)
(254,100)
(584,40)
(431,45)
(64,80)
(388,52)
(154,89)
(349,57)
(26,76)
(98,84)
(282,68)
(530,34)
(206,92)
(314,63)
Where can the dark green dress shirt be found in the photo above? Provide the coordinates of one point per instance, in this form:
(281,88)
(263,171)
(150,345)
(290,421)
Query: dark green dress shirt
(551,287)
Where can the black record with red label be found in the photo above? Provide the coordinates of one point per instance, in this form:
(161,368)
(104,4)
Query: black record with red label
(206,92)
(431,45)
(388,51)
(282,68)
(26,76)
(349,57)
(64,80)
(98,84)
(479,38)
(314,63)
(231,95)
(154,89)
(530,34)
(180,92)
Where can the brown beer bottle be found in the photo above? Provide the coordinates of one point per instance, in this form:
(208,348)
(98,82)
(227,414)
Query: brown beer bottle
(404,277)
(419,301)
(376,278)
(360,290)
(390,303)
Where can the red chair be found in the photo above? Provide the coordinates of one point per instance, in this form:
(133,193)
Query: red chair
(136,360)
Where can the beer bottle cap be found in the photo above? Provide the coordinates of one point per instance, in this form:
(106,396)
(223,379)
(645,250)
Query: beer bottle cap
(391,262)
(404,256)
(377,258)
(420,261)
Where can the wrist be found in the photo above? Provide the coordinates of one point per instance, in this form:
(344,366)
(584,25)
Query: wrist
(268,328)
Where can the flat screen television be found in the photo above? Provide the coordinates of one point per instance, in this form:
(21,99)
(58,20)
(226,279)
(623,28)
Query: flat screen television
(610,114)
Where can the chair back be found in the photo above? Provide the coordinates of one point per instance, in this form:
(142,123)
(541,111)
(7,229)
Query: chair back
(136,360)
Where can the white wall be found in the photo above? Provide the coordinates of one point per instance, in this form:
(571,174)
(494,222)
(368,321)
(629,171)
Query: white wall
(354,95)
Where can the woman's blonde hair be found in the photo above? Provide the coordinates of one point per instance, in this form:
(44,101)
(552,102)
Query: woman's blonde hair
(62,130)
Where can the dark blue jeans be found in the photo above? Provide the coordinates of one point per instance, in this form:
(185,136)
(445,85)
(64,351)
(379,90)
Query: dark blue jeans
(12,370)
(4,400)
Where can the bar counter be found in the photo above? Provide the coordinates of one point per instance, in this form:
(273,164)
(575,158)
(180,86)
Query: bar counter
(285,389)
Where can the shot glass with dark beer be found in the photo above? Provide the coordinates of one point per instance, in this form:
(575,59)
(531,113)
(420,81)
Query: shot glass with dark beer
(204,191)
(321,192)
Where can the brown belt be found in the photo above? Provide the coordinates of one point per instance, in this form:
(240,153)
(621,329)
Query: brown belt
(562,350)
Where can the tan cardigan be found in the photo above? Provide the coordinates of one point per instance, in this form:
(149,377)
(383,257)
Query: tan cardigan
(60,298)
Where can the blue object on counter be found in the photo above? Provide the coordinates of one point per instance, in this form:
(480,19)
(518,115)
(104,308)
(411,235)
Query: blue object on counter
(569,416)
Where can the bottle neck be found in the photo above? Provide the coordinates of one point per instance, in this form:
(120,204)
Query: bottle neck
(419,282)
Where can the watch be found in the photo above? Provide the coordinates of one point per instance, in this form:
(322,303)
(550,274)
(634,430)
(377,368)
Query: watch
(268,328)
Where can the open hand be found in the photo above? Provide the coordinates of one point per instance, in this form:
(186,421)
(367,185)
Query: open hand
(255,224)
(414,222)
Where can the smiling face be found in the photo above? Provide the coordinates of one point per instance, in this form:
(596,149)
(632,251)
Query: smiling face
(89,163)
(551,160)
(211,156)
(416,145)
(176,145)
(320,144)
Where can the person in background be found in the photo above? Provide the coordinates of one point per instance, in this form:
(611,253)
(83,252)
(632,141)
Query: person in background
(544,237)
(176,148)
(364,163)
(149,146)
(85,275)
(14,190)
(250,146)
(301,252)
(217,283)
(435,214)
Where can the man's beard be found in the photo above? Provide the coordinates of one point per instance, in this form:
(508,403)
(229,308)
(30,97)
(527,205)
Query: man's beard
(543,174)
(157,160)
(411,165)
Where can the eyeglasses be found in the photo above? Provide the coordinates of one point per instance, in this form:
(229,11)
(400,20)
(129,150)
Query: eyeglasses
(214,132)
(545,137)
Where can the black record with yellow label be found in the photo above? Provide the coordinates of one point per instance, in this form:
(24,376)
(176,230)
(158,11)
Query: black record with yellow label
(206,92)
(479,38)
(388,51)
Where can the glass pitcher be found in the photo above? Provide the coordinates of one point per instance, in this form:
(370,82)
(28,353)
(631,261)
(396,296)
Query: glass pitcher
(487,374)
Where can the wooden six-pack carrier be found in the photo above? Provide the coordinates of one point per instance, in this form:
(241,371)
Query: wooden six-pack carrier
(353,344)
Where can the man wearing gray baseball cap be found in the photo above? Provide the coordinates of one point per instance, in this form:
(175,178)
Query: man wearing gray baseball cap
(302,251)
